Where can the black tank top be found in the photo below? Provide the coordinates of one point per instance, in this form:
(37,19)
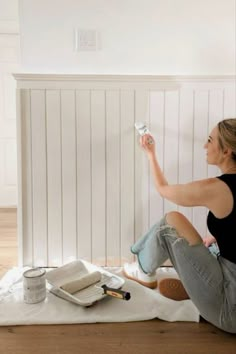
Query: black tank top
(224,230)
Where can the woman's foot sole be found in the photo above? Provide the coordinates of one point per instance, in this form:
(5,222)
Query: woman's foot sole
(150,285)
(172,288)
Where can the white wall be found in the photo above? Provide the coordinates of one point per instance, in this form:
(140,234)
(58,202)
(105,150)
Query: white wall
(9,62)
(9,10)
(137,36)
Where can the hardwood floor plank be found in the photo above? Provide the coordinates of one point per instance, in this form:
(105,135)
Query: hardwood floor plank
(137,337)
(8,239)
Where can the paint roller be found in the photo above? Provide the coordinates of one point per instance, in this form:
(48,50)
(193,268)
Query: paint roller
(90,279)
(142,129)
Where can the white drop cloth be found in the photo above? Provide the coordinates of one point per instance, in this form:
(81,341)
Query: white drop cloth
(145,304)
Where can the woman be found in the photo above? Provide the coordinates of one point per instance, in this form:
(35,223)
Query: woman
(210,281)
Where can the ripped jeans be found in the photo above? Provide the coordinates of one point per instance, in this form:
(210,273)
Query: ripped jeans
(209,281)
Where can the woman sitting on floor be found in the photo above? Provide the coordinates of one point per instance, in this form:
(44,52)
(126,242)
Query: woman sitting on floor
(210,281)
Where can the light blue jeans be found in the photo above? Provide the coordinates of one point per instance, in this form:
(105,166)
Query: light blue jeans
(210,281)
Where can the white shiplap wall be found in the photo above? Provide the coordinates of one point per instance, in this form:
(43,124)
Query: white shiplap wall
(85,189)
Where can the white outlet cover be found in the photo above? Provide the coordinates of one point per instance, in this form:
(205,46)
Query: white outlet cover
(86,40)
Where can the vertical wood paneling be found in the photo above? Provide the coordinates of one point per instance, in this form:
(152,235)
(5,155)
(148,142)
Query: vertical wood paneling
(54,181)
(216,107)
(68,133)
(86,189)
(157,130)
(230,102)
(83,175)
(171,147)
(25,170)
(201,112)
(141,167)
(39,177)
(113,177)
(20,172)
(127,174)
(186,143)
(98,177)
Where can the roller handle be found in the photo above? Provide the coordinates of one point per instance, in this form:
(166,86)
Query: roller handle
(120,294)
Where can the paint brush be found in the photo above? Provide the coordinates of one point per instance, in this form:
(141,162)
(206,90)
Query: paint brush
(142,129)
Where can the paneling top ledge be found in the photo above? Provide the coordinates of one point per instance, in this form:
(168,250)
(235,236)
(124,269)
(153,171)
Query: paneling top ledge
(50,81)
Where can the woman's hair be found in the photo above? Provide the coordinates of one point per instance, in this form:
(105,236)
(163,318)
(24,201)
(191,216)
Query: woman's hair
(227,135)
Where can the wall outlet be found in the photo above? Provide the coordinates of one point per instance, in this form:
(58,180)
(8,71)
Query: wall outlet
(86,40)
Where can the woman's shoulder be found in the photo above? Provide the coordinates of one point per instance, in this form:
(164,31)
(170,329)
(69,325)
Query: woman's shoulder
(210,188)
(207,182)
(220,196)
(216,195)
(213,182)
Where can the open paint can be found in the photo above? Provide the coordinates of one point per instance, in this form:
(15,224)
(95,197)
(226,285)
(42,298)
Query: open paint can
(34,285)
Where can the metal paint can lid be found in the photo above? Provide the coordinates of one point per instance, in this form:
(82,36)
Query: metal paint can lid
(34,272)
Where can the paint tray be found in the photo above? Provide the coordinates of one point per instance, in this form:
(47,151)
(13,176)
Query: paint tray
(78,269)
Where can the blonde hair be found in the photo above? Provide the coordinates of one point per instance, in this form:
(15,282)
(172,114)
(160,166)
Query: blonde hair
(227,135)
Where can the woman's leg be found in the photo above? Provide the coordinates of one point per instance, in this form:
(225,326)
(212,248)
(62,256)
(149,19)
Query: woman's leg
(169,287)
(153,249)
(200,272)
(183,227)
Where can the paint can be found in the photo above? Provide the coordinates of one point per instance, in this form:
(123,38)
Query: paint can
(34,285)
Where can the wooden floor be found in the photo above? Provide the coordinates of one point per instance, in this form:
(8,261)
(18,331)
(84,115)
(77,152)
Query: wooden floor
(8,240)
(135,337)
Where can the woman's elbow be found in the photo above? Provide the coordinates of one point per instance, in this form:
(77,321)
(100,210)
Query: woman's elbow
(162,191)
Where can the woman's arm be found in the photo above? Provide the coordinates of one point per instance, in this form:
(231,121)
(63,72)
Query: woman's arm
(198,193)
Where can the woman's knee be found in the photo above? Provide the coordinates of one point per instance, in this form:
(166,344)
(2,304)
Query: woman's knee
(174,218)
(183,227)
(175,214)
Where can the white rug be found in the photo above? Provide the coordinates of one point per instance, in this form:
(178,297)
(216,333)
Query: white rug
(145,304)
